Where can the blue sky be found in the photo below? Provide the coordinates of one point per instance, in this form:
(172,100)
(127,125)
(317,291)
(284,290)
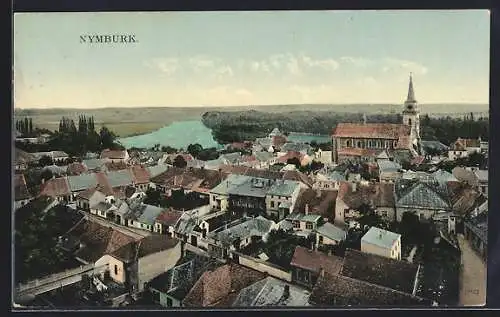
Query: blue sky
(241,58)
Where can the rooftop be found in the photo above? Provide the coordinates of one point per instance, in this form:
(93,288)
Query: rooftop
(388,166)
(375,269)
(331,232)
(258,226)
(380,237)
(315,261)
(271,292)
(146,246)
(220,287)
(337,290)
(371,130)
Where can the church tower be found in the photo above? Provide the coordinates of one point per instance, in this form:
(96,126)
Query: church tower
(411,115)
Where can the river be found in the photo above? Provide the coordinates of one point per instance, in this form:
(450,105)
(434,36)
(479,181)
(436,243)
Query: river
(177,135)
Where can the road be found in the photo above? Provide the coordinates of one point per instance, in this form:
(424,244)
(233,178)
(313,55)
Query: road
(472,276)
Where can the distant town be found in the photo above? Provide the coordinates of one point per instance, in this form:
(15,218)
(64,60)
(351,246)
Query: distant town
(373,213)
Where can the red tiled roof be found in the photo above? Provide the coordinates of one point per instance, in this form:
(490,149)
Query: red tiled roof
(219,288)
(169,217)
(371,130)
(55,187)
(113,154)
(102,181)
(76,168)
(461,144)
(418,160)
(322,204)
(378,195)
(315,261)
(278,140)
(141,174)
(20,188)
(291,155)
(149,245)
(116,166)
(86,194)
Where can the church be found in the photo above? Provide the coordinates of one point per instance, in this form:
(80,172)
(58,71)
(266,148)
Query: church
(365,141)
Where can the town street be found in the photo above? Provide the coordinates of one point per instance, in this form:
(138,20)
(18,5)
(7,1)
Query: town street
(472,276)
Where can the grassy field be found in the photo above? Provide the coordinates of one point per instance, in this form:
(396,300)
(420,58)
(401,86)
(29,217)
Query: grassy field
(133,121)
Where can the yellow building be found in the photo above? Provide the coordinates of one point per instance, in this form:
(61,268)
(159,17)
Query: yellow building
(382,242)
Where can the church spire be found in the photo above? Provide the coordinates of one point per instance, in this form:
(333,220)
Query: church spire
(411,93)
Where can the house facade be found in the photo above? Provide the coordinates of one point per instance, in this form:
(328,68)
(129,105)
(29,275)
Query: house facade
(382,242)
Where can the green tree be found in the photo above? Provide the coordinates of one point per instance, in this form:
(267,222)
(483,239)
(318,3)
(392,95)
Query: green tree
(45,160)
(194,149)
(107,138)
(294,161)
(179,162)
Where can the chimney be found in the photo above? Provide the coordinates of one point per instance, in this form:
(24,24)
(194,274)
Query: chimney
(286,291)
(321,272)
(306,210)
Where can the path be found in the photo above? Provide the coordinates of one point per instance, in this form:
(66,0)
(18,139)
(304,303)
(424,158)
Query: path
(472,276)
(412,254)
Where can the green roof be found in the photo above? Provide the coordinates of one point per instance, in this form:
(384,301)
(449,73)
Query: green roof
(380,237)
(283,188)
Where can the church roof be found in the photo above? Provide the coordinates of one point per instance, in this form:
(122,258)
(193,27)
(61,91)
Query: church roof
(371,130)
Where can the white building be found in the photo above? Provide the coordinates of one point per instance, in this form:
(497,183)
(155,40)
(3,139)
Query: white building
(382,242)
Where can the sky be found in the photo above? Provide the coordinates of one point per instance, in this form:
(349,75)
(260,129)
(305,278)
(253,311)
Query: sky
(250,58)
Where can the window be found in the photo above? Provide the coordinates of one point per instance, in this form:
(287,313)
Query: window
(348,143)
(296,224)
(409,120)
(320,239)
(309,225)
(272,204)
(156,296)
(116,269)
(169,302)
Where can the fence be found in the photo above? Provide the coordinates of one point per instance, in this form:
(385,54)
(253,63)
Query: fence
(264,267)
(59,276)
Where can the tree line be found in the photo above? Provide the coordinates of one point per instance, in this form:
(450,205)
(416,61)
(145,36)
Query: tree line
(240,126)
(25,126)
(76,139)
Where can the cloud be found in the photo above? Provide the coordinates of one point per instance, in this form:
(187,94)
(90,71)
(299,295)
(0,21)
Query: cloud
(328,64)
(393,64)
(223,72)
(356,61)
(166,65)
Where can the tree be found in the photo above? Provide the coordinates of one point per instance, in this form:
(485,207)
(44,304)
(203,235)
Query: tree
(45,160)
(46,175)
(169,150)
(476,159)
(194,149)
(179,162)
(31,126)
(294,161)
(107,138)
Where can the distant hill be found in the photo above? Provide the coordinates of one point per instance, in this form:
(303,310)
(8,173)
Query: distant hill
(130,121)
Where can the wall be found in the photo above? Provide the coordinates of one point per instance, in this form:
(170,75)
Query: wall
(18,204)
(326,185)
(389,176)
(422,213)
(453,155)
(340,208)
(262,266)
(155,264)
(374,249)
(120,276)
(326,240)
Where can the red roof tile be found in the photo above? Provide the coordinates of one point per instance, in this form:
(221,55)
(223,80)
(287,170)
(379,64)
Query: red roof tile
(141,174)
(55,187)
(315,261)
(169,217)
(76,168)
(221,286)
(20,188)
(371,130)
(291,155)
(116,166)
